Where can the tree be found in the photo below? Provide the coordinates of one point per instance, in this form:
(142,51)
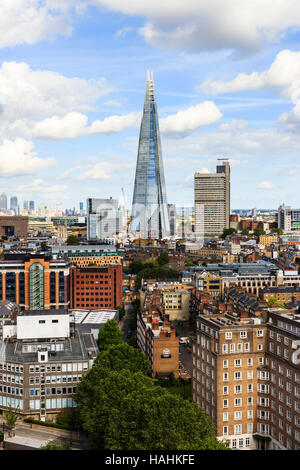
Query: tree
(121,312)
(163,258)
(11,418)
(135,267)
(259,231)
(43,246)
(228,231)
(67,417)
(245,231)
(122,356)
(55,446)
(98,395)
(109,334)
(277,230)
(72,240)
(153,418)
(271,301)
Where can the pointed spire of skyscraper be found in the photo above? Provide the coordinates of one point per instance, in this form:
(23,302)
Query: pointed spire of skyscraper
(149,216)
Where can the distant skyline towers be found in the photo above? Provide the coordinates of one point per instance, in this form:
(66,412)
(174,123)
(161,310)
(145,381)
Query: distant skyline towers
(3,201)
(212,200)
(14,204)
(149,215)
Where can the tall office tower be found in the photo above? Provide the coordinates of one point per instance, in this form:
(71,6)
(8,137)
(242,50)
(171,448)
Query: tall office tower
(149,216)
(31,205)
(172,219)
(26,205)
(103,218)
(14,204)
(288,219)
(81,206)
(212,201)
(3,201)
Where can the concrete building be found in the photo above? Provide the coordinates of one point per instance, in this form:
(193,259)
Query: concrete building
(16,226)
(212,201)
(42,359)
(288,219)
(176,304)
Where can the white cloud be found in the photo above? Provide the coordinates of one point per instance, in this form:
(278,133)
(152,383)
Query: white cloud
(101,170)
(123,31)
(29,21)
(17,158)
(283,77)
(292,119)
(234,125)
(192,118)
(199,25)
(266,185)
(113,103)
(42,188)
(27,96)
(74,125)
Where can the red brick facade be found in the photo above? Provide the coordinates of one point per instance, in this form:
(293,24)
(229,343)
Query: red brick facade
(96,287)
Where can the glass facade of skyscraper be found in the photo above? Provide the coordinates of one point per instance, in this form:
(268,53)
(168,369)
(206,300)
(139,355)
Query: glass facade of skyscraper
(149,217)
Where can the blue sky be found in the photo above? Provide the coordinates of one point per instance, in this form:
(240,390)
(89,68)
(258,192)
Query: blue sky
(72,81)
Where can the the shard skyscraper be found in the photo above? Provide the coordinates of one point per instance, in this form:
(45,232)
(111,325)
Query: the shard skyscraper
(149,215)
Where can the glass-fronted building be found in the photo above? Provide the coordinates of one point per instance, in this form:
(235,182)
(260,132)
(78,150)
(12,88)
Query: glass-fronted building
(149,217)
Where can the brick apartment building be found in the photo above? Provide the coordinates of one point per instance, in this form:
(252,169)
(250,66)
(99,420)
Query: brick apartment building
(156,338)
(246,377)
(96,287)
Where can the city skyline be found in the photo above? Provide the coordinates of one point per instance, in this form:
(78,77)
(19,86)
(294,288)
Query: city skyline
(72,91)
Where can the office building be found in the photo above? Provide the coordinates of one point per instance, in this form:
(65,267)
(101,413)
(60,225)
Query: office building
(35,281)
(288,219)
(31,205)
(3,201)
(42,359)
(104,220)
(87,255)
(96,287)
(212,201)
(14,204)
(149,215)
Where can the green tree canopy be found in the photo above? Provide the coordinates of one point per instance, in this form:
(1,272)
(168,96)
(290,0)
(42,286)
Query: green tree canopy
(228,231)
(72,240)
(153,418)
(122,356)
(11,417)
(109,334)
(277,230)
(259,231)
(135,267)
(245,231)
(55,446)
(98,395)
(163,258)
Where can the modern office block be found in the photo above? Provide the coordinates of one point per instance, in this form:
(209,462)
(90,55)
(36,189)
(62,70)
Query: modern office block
(103,219)
(212,201)
(149,217)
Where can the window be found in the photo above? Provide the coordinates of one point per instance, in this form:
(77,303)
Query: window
(250,362)
(228,335)
(237,415)
(237,429)
(237,363)
(225,430)
(225,390)
(42,321)
(232,348)
(243,334)
(225,377)
(225,416)
(237,376)
(225,403)
(260,333)
(225,348)
(237,389)
(237,402)
(225,364)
